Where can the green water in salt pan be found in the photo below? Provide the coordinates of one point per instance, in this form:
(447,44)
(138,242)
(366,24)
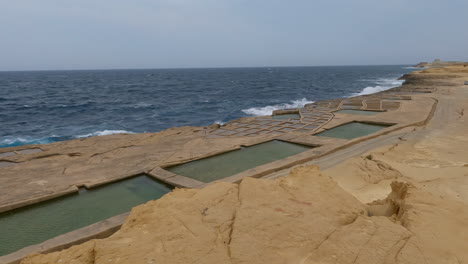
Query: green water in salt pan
(357,112)
(230,163)
(352,130)
(286,116)
(36,223)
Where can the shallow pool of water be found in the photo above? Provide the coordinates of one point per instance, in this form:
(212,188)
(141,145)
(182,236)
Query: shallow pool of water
(352,130)
(395,98)
(230,163)
(38,222)
(286,116)
(357,112)
(419,92)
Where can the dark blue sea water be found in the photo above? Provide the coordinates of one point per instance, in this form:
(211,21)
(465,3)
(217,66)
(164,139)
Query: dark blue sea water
(47,106)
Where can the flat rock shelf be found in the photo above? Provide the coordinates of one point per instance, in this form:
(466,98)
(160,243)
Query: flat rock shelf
(352,130)
(230,163)
(36,223)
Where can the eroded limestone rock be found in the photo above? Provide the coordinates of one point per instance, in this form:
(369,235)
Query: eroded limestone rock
(302,218)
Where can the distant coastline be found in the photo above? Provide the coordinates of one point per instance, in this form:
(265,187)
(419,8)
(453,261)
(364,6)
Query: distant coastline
(439,63)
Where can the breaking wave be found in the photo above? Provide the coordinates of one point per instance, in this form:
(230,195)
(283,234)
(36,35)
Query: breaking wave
(382,85)
(26,140)
(219,122)
(19,141)
(105,133)
(268,110)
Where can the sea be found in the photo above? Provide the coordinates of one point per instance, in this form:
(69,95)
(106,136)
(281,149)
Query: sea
(39,107)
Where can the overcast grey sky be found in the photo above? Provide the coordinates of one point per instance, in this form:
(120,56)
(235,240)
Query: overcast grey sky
(104,34)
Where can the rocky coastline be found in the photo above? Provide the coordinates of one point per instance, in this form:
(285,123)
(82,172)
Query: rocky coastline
(398,195)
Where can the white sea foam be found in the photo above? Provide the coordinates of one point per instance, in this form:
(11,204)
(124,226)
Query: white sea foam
(219,122)
(268,110)
(10,141)
(16,141)
(104,133)
(383,84)
(140,105)
(26,140)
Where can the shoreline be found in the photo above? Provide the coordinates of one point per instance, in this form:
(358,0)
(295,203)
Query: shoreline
(27,135)
(195,143)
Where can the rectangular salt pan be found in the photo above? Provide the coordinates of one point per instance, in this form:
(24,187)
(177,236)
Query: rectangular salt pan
(36,223)
(357,112)
(286,116)
(352,130)
(230,163)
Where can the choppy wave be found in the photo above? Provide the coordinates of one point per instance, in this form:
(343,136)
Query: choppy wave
(105,133)
(268,110)
(91,101)
(383,84)
(26,140)
(140,105)
(19,141)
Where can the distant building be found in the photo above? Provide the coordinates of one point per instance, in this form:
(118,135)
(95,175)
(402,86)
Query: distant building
(440,63)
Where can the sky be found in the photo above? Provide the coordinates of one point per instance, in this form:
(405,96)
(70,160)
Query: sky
(124,34)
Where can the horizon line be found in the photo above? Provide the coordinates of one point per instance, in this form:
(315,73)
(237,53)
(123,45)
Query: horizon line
(195,68)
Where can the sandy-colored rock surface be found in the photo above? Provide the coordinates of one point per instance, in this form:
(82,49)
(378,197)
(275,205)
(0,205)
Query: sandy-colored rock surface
(303,218)
(39,172)
(433,157)
(399,198)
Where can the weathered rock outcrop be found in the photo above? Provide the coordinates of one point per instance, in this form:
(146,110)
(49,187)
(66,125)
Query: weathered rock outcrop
(302,218)
(367,178)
